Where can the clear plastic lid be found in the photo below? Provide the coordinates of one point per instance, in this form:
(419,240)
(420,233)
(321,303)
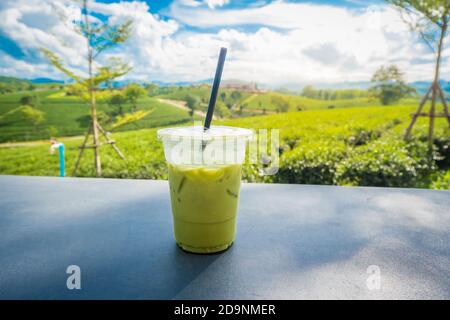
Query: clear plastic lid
(198,132)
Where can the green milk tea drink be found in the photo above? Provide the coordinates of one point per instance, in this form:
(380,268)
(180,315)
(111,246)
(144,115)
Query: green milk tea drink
(204,180)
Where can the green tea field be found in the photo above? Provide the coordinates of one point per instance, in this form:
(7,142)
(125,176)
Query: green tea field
(60,115)
(349,146)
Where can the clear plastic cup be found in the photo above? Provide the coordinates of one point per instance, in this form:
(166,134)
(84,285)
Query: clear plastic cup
(204,179)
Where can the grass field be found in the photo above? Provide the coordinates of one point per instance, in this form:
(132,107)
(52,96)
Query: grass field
(353,146)
(265,101)
(255,103)
(68,116)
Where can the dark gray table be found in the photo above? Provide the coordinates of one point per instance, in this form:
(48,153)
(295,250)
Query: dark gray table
(293,242)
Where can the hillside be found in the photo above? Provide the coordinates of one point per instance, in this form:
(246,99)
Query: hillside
(68,116)
(340,146)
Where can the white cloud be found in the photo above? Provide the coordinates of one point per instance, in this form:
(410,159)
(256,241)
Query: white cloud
(196,3)
(216,3)
(297,43)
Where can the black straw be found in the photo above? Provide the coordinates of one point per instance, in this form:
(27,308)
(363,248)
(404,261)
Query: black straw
(215,88)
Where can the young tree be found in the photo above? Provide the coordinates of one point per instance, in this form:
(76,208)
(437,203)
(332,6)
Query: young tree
(430,18)
(99,37)
(191,103)
(221,110)
(117,100)
(133,92)
(389,85)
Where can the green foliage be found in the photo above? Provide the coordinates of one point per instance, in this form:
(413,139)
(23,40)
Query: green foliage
(384,163)
(32,115)
(117,100)
(221,110)
(100,37)
(152,89)
(281,104)
(29,100)
(311,164)
(353,146)
(442,181)
(429,18)
(133,92)
(70,115)
(389,86)
(192,103)
(11,84)
(329,94)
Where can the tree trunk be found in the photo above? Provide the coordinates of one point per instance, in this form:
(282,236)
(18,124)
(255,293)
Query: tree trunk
(91,90)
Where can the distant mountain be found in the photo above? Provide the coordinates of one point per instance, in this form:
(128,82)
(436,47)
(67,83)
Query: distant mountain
(44,80)
(13,80)
(423,86)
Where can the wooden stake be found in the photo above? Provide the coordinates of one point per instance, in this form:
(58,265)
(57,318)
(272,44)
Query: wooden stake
(432,112)
(444,102)
(415,115)
(435,88)
(112,143)
(82,147)
(95,146)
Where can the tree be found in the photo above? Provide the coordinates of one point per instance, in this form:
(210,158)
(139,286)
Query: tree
(191,103)
(133,92)
(309,92)
(221,110)
(236,95)
(430,18)
(389,85)
(281,105)
(99,38)
(28,100)
(118,99)
(152,89)
(241,109)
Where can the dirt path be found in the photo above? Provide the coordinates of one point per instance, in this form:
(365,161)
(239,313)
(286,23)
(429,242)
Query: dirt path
(36,143)
(181,105)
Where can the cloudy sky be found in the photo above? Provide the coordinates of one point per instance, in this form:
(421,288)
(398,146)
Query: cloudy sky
(270,42)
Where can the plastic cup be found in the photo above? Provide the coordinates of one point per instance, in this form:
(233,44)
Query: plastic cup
(204,179)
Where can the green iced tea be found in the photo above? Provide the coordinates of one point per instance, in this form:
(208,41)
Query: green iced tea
(204,206)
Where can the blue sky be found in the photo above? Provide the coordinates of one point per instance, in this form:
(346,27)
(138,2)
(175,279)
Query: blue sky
(276,43)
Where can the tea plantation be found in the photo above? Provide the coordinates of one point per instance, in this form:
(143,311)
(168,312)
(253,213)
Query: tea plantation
(352,146)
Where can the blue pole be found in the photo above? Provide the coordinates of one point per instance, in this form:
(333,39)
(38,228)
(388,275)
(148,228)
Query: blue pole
(61,160)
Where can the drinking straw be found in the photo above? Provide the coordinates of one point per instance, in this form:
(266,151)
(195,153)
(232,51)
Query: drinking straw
(215,88)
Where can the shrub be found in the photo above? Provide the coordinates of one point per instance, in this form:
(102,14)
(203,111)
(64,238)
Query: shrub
(442,181)
(313,163)
(383,163)
(443,149)
(254,173)
(363,136)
